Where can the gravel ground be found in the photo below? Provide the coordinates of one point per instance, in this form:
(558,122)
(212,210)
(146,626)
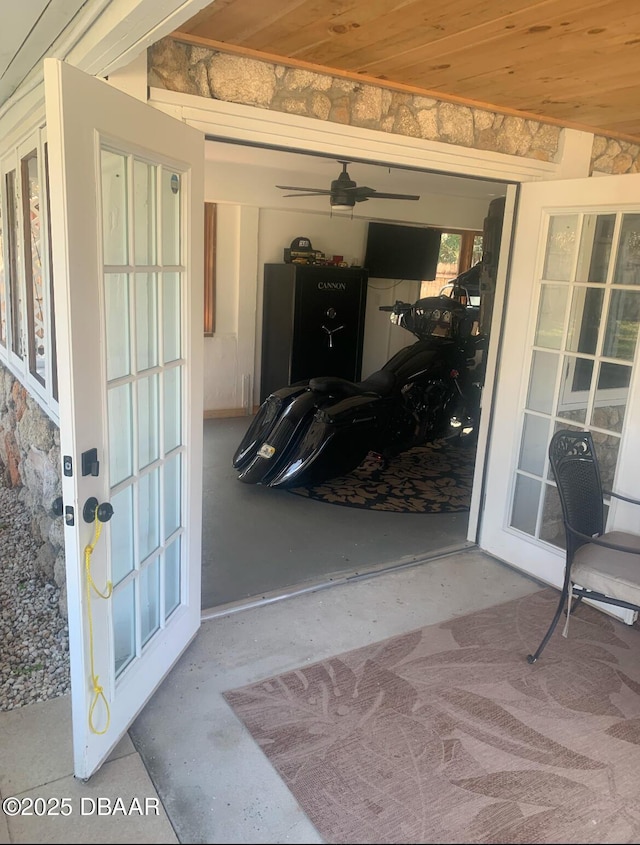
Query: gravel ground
(34,638)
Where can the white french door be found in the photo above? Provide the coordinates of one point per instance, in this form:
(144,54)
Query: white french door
(127,227)
(568,360)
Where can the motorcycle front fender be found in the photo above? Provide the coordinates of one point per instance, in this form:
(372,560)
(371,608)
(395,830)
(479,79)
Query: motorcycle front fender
(337,439)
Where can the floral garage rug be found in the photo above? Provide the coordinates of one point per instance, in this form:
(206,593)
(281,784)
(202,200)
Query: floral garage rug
(447,735)
(434,478)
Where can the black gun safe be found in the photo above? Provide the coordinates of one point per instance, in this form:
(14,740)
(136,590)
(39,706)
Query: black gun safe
(312,323)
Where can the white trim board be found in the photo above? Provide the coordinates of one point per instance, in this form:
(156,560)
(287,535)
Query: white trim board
(238,122)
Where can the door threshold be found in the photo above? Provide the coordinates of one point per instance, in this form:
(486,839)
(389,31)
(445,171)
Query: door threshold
(345,577)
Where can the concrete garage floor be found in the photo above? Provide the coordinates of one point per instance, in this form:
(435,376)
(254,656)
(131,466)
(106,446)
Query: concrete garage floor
(188,749)
(259,542)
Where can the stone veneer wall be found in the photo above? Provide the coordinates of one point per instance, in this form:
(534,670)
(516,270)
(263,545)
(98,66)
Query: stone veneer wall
(612,156)
(30,463)
(206,72)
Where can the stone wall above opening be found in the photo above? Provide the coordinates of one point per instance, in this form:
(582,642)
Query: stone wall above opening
(207,72)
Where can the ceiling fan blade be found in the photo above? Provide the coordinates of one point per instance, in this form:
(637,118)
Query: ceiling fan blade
(298,188)
(384,196)
(312,194)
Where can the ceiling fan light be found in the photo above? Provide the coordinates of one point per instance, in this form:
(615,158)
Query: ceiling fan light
(341,201)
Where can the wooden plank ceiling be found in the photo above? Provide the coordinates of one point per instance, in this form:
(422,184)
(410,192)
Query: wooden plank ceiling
(574,62)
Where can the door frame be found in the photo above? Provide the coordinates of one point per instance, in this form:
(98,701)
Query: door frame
(224,121)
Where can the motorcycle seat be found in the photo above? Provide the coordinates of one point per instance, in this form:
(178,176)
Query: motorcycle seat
(380,382)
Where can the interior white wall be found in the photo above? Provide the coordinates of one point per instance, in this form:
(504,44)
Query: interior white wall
(221,350)
(382,338)
(255,224)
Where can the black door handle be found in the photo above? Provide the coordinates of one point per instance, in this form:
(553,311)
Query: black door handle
(105,511)
(92,508)
(57,506)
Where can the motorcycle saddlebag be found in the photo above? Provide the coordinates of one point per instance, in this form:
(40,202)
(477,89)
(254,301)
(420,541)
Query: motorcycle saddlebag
(336,440)
(281,438)
(264,422)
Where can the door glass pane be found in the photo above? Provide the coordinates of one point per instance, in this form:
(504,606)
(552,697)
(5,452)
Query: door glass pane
(607,447)
(144,209)
(561,247)
(171,199)
(14,268)
(124,628)
(595,247)
(574,389)
(172,408)
(542,382)
(148,422)
(628,262)
(142,221)
(116,304)
(525,504)
(535,442)
(553,302)
(172,495)
(592,390)
(171,316)
(3,288)
(52,312)
(146,321)
(611,396)
(36,305)
(120,433)
(114,207)
(148,512)
(622,325)
(584,321)
(121,528)
(150,600)
(172,577)
(552,527)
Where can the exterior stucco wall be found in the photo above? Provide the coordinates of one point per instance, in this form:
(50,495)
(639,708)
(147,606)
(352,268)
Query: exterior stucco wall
(205,72)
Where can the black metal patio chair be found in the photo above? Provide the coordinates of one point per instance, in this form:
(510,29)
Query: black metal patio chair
(601,566)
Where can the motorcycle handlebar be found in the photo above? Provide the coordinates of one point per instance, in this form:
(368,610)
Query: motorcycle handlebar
(397,308)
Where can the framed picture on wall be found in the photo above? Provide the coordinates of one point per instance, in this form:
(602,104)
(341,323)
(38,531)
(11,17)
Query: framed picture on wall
(209,268)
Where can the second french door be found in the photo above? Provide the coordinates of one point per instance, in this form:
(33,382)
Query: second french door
(568,361)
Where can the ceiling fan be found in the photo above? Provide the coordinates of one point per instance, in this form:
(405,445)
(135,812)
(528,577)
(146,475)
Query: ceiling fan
(344,193)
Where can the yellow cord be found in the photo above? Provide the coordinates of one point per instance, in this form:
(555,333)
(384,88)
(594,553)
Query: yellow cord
(97,689)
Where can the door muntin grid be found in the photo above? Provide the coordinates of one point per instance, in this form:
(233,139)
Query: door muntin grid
(582,355)
(143,288)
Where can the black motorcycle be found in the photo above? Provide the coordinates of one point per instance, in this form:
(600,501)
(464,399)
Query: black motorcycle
(322,428)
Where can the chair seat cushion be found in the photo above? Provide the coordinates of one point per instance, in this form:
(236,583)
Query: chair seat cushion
(613,573)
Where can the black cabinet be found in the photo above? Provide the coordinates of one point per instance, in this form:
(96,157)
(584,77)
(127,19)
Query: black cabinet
(312,323)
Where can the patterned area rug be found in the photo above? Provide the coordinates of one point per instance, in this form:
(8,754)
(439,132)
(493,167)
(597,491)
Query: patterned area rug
(446,734)
(435,478)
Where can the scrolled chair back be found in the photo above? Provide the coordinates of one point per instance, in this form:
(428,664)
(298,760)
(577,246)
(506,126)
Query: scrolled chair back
(575,470)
